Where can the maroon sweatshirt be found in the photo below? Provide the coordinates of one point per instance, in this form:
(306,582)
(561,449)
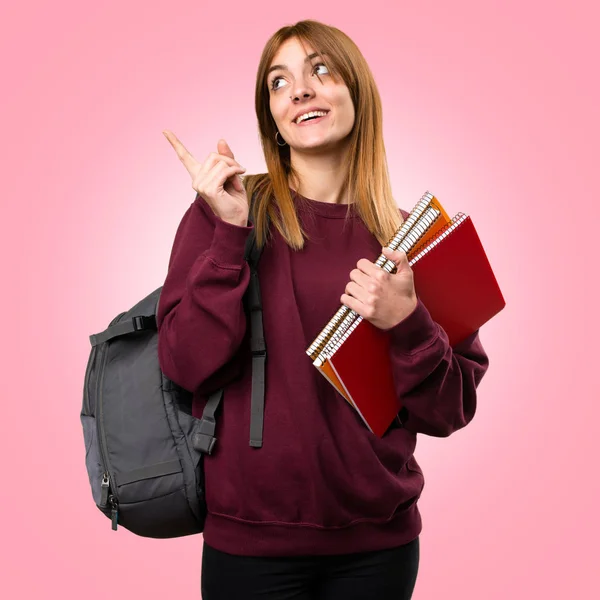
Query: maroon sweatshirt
(322,483)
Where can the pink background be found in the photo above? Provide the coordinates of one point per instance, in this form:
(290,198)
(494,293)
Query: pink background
(492,106)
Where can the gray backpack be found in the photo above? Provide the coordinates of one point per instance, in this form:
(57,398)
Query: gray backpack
(143,448)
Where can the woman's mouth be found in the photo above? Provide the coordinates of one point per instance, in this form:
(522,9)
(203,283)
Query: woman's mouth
(312,120)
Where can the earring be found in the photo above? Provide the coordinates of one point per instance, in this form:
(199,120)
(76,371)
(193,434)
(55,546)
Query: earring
(284,142)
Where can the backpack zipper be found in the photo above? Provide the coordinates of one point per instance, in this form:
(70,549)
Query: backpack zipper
(105,496)
(104,488)
(114,511)
(87,409)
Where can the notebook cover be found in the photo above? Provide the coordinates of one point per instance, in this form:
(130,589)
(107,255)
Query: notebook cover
(327,371)
(363,366)
(456,283)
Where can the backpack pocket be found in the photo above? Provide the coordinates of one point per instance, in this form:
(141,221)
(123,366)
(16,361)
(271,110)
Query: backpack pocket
(161,517)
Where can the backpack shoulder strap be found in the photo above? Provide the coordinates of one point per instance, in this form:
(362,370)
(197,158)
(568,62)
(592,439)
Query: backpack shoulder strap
(253,252)
(259,357)
(205,439)
(257,344)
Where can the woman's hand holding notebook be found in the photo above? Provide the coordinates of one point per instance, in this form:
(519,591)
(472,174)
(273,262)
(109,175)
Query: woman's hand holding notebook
(453,279)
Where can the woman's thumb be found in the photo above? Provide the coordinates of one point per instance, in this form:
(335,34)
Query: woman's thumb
(223,148)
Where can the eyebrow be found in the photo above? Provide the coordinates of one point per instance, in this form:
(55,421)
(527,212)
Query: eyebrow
(284,67)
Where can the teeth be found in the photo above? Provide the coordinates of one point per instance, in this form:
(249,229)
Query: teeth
(316,113)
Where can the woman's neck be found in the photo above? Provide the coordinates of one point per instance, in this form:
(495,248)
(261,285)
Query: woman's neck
(321,176)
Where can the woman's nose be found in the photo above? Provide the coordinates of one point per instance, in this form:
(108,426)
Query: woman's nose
(302,90)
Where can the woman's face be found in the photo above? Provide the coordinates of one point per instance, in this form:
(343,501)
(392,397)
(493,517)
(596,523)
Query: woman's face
(295,89)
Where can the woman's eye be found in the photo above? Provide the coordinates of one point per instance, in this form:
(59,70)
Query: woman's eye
(274,85)
(321,65)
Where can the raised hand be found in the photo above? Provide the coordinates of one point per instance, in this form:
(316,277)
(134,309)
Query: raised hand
(216,180)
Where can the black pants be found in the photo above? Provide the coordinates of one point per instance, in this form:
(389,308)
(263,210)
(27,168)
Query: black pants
(382,575)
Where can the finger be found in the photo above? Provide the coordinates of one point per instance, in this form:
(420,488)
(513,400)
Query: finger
(368,268)
(352,304)
(358,292)
(219,174)
(213,158)
(360,278)
(224,149)
(398,256)
(221,166)
(189,162)
(238,184)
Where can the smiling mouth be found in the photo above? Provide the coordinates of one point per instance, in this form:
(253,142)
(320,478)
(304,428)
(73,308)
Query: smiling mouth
(310,120)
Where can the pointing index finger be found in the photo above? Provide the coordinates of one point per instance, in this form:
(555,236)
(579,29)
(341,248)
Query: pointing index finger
(189,162)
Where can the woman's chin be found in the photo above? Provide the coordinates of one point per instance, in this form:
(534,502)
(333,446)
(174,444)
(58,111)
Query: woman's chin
(314,146)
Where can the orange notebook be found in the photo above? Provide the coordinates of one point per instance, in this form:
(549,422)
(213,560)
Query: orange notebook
(454,280)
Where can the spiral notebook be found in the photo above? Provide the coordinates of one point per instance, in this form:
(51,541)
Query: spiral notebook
(453,278)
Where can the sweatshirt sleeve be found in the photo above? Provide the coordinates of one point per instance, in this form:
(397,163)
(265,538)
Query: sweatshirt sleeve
(436,383)
(200,316)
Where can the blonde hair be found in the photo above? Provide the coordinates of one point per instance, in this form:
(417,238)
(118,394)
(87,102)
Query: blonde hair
(367,183)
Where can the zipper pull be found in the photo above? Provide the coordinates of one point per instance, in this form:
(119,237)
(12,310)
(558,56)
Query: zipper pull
(114,512)
(104,487)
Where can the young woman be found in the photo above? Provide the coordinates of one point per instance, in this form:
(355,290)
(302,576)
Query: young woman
(324,509)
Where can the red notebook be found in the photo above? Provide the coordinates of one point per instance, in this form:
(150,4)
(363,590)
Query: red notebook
(363,368)
(454,280)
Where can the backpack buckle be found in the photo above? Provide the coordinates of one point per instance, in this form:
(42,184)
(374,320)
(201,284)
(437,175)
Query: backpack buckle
(141,322)
(204,439)
(204,443)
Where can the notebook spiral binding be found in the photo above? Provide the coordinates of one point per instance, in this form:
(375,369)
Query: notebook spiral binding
(407,236)
(443,233)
